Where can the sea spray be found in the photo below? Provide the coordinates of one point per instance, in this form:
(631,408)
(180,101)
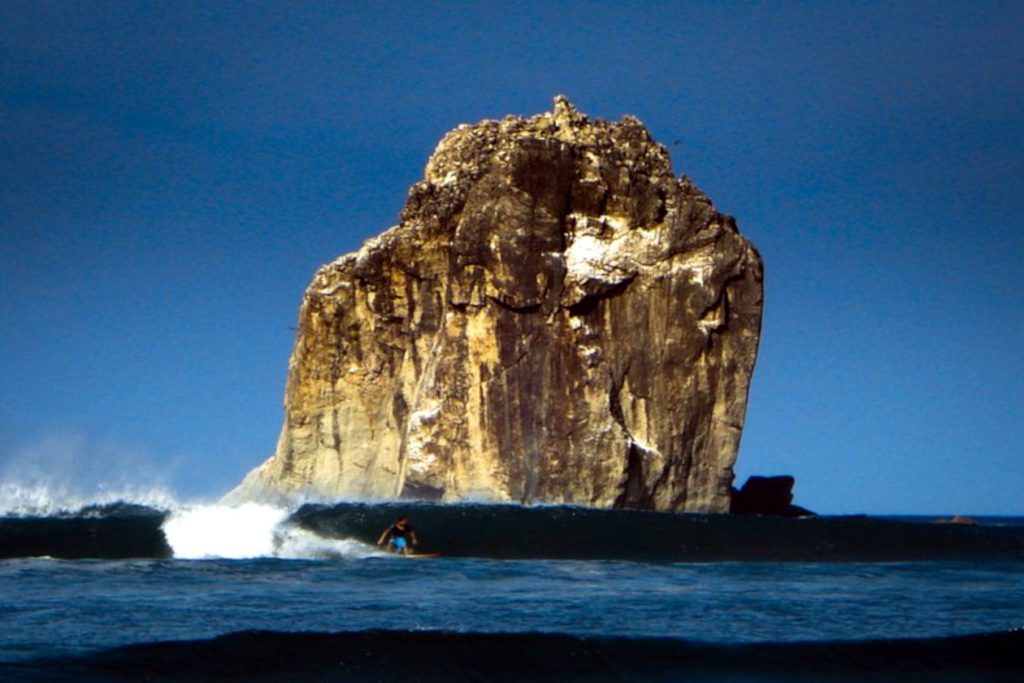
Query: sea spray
(38,499)
(249,530)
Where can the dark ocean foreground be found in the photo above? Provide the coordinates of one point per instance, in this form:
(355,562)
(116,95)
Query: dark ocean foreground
(448,656)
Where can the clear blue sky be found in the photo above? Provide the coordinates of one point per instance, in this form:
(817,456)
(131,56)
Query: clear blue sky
(172,173)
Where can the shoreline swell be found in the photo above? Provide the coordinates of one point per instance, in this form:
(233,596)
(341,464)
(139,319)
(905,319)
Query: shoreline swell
(574,533)
(511,532)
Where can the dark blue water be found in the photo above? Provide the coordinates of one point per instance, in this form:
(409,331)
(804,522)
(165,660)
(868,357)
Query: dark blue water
(72,607)
(56,614)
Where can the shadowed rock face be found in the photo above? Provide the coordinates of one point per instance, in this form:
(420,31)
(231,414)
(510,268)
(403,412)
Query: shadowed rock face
(556,318)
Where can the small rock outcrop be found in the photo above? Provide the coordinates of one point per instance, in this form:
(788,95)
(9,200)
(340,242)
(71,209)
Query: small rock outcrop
(767,496)
(557,318)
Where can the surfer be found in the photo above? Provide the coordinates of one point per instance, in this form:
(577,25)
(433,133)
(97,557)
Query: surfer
(400,536)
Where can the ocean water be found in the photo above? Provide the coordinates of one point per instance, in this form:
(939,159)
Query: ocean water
(263,593)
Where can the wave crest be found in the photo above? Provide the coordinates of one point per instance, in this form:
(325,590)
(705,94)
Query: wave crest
(53,500)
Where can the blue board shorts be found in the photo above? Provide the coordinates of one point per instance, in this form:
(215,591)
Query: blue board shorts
(399,543)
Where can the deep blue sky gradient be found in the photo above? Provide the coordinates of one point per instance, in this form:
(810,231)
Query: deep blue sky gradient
(172,173)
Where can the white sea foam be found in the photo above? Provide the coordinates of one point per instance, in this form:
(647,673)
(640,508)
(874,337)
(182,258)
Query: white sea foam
(297,543)
(221,531)
(250,530)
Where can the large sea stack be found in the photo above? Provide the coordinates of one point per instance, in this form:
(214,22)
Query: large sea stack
(557,318)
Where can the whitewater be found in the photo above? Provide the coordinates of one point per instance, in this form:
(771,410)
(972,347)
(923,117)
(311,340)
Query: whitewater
(250,530)
(267,592)
(193,530)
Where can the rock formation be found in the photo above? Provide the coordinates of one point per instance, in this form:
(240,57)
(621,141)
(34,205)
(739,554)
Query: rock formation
(556,318)
(767,496)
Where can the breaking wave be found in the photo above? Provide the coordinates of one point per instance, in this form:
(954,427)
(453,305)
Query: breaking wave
(250,530)
(55,522)
(35,523)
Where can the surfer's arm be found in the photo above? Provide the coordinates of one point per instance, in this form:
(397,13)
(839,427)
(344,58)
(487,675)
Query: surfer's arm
(415,539)
(383,535)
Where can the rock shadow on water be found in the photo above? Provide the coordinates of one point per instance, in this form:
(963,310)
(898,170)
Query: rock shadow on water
(429,656)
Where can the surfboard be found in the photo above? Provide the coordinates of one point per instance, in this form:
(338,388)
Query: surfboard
(422,556)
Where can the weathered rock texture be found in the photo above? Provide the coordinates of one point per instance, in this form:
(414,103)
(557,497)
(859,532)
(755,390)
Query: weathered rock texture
(557,318)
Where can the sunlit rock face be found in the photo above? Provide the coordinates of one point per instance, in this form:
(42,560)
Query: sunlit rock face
(557,318)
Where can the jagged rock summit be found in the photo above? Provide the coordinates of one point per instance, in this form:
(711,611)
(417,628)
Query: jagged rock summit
(556,318)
